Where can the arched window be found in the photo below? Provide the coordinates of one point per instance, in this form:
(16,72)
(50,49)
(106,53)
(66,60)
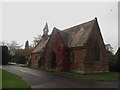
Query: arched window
(97,52)
(72,57)
(53,60)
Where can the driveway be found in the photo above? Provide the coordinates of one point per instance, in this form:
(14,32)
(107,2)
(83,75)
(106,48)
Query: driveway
(42,79)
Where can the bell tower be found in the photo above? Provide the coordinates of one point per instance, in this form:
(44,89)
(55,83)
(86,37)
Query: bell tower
(45,30)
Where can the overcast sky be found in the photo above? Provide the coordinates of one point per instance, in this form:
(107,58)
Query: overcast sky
(23,21)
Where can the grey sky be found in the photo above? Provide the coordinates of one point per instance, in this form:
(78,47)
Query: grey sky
(23,21)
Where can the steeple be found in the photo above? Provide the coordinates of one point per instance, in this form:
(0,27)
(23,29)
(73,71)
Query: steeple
(45,30)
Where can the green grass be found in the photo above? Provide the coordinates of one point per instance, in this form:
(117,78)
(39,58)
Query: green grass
(10,80)
(0,78)
(109,76)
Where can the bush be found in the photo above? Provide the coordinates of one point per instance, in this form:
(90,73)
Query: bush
(20,59)
(113,61)
(5,55)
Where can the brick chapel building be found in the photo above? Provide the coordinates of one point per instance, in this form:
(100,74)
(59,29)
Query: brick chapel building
(78,49)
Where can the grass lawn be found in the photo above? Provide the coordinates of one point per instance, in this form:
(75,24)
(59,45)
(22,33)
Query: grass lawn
(109,76)
(0,78)
(10,80)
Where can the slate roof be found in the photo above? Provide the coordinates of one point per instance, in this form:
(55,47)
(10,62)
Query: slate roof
(39,47)
(78,35)
(72,37)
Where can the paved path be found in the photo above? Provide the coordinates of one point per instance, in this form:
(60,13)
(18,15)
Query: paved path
(41,79)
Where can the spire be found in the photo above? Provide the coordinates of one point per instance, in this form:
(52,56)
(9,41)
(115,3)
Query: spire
(45,29)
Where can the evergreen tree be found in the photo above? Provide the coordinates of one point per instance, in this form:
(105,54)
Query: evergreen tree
(27,44)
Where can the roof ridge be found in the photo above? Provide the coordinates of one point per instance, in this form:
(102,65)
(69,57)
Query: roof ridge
(80,24)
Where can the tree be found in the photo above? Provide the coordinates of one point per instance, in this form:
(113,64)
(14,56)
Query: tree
(116,57)
(3,43)
(27,44)
(5,55)
(109,48)
(36,40)
(0,55)
(113,63)
(20,57)
(13,46)
(27,51)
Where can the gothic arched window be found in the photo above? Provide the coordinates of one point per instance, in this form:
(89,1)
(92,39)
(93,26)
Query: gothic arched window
(72,57)
(53,63)
(97,52)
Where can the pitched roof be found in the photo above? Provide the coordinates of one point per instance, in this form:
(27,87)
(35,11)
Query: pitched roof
(39,47)
(77,35)
(72,37)
(63,35)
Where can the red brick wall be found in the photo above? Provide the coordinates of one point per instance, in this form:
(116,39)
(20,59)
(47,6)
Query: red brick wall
(55,44)
(34,58)
(90,63)
(76,60)
(60,52)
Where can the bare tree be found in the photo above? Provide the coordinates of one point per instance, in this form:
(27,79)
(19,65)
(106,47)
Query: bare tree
(13,46)
(3,43)
(36,40)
